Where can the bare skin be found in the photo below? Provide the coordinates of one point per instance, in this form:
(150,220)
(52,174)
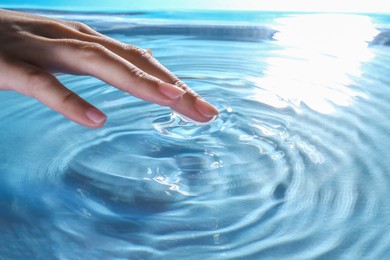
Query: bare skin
(33,48)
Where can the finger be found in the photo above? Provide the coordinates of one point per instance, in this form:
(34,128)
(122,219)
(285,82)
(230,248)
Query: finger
(94,59)
(32,81)
(82,28)
(141,58)
(191,106)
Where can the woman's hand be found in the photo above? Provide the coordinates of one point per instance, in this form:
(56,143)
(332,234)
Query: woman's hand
(34,47)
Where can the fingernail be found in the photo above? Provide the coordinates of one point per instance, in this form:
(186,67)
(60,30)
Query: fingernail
(149,51)
(96,116)
(170,90)
(205,108)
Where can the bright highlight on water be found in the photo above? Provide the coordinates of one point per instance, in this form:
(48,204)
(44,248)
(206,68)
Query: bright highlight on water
(294,167)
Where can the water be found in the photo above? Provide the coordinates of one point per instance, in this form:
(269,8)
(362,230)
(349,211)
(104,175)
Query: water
(295,166)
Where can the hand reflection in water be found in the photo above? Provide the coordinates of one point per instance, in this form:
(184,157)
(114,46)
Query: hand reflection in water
(33,47)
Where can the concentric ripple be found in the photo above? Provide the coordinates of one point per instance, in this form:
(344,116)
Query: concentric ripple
(175,126)
(294,166)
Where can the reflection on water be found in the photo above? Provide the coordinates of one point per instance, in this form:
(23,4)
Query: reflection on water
(321,58)
(294,167)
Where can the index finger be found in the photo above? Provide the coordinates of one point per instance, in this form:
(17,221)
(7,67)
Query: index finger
(191,105)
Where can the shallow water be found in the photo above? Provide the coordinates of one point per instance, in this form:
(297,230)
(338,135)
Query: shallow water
(294,167)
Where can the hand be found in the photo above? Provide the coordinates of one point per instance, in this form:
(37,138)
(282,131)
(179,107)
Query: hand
(33,47)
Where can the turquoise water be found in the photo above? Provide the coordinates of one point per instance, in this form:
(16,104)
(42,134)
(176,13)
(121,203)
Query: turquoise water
(294,167)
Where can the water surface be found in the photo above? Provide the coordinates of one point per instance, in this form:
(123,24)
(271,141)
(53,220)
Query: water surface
(294,167)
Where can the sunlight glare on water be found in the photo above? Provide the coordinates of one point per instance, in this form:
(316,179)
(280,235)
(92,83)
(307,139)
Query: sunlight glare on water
(322,56)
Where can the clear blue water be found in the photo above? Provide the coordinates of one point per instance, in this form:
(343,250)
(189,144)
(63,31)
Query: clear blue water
(296,166)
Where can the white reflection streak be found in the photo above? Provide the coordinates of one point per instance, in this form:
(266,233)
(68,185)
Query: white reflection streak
(321,54)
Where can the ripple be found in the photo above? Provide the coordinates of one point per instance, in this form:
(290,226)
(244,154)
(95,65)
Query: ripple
(178,127)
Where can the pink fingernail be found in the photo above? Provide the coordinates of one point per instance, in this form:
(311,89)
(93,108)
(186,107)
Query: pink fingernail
(149,51)
(170,90)
(96,116)
(205,108)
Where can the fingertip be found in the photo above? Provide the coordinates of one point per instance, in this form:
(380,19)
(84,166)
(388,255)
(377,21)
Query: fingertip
(205,108)
(96,117)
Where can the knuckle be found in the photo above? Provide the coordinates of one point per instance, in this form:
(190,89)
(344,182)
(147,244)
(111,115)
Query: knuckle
(137,73)
(90,50)
(81,27)
(69,98)
(183,86)
(93,47)
(77,24)
(49,25)
(71,23)
(36,81)
(137,51)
